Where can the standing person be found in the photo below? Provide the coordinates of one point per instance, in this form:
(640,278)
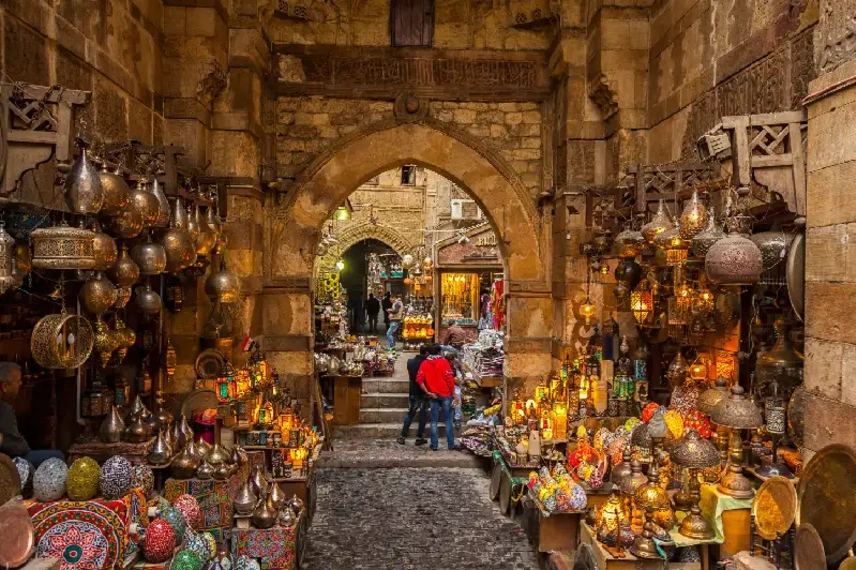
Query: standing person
(436,378)
(386,305)
(396,313)
(12,443)
(418,399)
(372,309)
(452,357)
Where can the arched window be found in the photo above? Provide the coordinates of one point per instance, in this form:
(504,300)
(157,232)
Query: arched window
(412,23)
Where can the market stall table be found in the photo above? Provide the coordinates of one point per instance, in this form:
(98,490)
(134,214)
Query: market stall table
(506,480)
(606,561)
(347,391)
(136,453)
(275,548)
(730,518)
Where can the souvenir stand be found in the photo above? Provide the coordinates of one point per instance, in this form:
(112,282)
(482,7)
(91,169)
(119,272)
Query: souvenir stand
(468,282)
(91,279)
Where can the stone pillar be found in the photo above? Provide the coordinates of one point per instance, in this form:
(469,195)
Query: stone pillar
(529,326)
(830,344)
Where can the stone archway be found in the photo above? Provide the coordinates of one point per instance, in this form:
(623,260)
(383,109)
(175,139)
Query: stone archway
(294,229)
(352,235)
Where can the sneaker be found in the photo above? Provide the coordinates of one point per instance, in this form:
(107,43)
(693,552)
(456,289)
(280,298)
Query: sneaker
(456,448)
(401,440)
(421,441)
(433,449)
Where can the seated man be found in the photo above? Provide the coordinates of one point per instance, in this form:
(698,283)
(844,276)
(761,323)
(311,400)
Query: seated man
(12,443)
(455,336)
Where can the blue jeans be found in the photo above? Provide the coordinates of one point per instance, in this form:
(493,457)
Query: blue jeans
(38,456)
(420,404)
(390,332)
(446,402)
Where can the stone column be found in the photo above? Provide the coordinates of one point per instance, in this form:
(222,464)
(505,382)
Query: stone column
(830,345)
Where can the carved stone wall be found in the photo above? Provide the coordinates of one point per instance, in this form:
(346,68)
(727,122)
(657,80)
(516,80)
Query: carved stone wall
(724,58)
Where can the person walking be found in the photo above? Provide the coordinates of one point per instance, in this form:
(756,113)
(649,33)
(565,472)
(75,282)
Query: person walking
(418,400)
(436,378)
(372,309)
(396,314)
(386,305)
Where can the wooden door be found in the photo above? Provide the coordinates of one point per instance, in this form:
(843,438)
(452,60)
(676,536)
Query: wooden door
(412,23)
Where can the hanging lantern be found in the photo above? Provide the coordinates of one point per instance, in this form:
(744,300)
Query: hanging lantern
(705,239)
(146,203)
(734,260)
(642,302)
(703,303)
(226,387)
(407,261)
(63,247)
(7,260)
(224,286)
(658,224)
(83,191)
(629,243)
(774,246)
(694,218)
(587,310)
(671,242)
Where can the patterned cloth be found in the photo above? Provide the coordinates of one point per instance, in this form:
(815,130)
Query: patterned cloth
(214,498)
(84,535)
(274,547)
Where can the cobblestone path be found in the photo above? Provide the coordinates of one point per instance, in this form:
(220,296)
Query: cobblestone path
(412,519)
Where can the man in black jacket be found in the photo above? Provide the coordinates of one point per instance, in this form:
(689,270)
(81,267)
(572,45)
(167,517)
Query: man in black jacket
(372,309)
(418,399)
(386,305)
(12,443)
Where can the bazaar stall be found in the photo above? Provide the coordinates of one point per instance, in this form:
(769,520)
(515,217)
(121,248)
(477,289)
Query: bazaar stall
(468,284)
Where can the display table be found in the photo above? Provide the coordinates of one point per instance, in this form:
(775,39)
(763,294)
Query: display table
(508,481)
(86,534)
(605,561)
(275,548)
(730,518)
(214,498)
(136,453)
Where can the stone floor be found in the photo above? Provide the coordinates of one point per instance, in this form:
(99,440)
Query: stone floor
(412,519)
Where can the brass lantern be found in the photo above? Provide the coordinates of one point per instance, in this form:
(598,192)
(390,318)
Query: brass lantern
(694,218)
(737,413)
(642,302)
(658,224)
(7,260)
(675,247)
(83,191)
(694,453)
(63,247)
(713,395)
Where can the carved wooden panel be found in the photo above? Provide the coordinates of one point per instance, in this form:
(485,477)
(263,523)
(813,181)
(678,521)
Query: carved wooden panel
(836,33)
(412,23)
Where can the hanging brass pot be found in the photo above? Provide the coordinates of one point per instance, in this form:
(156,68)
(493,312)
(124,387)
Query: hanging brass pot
(150,257)
(117,194)
(112,427)
(125,271)
(223,286)
(146,203)
(105,250)
(147,301)
(127,224)
(162,220)
(178,245)
(83,191)
(97,295)
(192,226)
(63,247)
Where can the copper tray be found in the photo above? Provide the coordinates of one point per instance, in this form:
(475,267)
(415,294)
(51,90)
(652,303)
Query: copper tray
(18,537)
(808,549)
(775,507)
(827,498)
(10,481)
(795,275)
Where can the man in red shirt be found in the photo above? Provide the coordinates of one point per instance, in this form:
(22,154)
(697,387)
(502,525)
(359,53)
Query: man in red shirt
(436,378)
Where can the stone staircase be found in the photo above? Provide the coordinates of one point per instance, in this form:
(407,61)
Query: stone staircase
(383,406)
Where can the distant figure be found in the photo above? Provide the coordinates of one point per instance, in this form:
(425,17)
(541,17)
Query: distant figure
(372,310)
(396,314)
(454,336)
(386,305)
(12,443)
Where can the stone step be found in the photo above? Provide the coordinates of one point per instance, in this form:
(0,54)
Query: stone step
(392,400)
(386,386)
(382,415)
(381,430)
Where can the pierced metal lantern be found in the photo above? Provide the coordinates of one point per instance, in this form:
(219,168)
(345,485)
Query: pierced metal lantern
(224,286)
(105,249)
(705,239)
(63,247)
(62,341)
(734,260)
(658,224)
(694,218)
(117,194)
(675,247)
(162,219)
(642,302)
(629,243)
(83,191)
(774,246)
(7,260)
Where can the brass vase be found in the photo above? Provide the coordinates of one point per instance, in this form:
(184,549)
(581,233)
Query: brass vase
(117,194)
(264,516)
(245,500)
(161,451)
(177,243)
(137,431)
(83,191)
(150,257)
(184,465)
(97,295)
(278,498)
(222,472)
(258,482)
(125,271)
(179,441)
(205,471)
(217,456)
(112,427)
(207,234)
(104,247)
